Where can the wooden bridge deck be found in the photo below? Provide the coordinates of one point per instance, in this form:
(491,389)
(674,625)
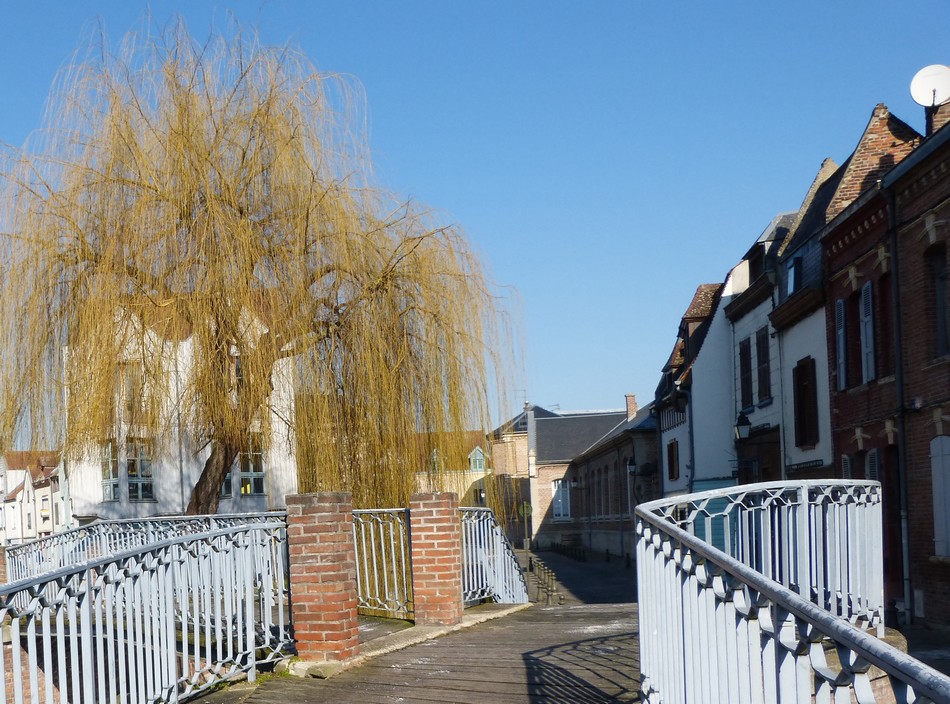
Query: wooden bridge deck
(583,651)
(555,655)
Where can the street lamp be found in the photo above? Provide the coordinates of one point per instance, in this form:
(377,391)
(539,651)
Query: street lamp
(743,426)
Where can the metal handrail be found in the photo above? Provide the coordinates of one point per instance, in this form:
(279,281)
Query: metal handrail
(163,623)
(686,583)
(490,567)
(103,538)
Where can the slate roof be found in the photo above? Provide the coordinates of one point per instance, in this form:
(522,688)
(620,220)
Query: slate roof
(643,421)
(519,424)
(562,437)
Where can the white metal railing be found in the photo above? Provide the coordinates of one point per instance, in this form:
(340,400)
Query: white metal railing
(104,538)
(383,574)
(162,623)
(763,593)
(490,568)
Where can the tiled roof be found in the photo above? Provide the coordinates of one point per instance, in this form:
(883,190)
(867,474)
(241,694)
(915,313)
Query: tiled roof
(30,459)
(703,301)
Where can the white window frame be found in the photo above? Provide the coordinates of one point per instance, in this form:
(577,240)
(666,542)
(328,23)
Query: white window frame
(251,466)
(109,464)
(560,499)
(138,466)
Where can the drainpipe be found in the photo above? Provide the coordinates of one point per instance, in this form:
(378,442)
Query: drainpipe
(901,409)
(692,445)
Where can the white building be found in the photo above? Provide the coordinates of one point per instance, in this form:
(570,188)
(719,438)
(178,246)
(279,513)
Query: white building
(138,473)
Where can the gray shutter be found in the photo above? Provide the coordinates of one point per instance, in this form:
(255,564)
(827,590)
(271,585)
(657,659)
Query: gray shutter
(867,333)
(873,466)
(845,466)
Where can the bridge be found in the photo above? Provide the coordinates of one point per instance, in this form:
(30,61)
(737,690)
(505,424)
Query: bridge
(767,593)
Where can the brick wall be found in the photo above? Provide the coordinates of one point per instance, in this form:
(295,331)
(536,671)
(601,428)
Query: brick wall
(436,546)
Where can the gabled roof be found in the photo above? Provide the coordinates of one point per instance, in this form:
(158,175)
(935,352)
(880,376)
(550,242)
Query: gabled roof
(11,496)
(519,424)
(562,437)
(643,421)
(30,459)
(700,309)
(885,142)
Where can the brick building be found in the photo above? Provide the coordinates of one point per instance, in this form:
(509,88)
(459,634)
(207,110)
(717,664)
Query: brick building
(916,199)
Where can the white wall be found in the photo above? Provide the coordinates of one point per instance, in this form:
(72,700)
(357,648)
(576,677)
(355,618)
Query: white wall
(806,338)
(713,419)
(177,462)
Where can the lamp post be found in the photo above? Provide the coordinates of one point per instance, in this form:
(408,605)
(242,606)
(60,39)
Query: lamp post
(743,426)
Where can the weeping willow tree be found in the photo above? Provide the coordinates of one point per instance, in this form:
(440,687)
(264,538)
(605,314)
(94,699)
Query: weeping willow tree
(195,232)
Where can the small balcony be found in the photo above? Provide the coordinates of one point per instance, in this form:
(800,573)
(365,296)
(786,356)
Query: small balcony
(770,593)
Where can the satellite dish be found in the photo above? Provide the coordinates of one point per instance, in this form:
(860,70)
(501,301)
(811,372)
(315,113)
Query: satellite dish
(931,86)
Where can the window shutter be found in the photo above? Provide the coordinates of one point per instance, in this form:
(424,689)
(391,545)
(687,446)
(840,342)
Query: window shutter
(867,333)
(873,468)
(840,349)
(845,466)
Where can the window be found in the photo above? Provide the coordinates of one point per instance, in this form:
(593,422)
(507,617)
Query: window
(57,520)
(476,460)
(794,276)
(252,468)
(804,385)
(940,476)
(561,498)
(867,333)
(29,521)
(132,387)
(762,363)
(227,486)
(110,471)
(138,467)
(44,507)
(872,465)
(841,349)
(745,373)
(937,265)
(673,460)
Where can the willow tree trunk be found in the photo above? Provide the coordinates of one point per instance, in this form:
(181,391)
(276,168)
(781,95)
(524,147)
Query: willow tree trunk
(207,491)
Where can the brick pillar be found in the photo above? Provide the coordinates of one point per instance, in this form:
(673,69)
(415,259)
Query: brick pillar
(323,576)
(435,529)
(3,565)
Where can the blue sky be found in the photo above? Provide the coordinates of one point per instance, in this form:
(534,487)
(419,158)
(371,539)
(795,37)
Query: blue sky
(604,158)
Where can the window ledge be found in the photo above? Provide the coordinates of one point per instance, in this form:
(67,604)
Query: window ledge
(938,361)
(940,559)
(143,501)
(765,402)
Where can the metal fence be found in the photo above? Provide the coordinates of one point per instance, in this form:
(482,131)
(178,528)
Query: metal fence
(162,623)
(383,573)
(105,538)
(490,568)
(765,593)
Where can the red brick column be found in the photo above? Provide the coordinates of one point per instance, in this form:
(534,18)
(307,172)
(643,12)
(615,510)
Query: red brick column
(323,576)
(435,529)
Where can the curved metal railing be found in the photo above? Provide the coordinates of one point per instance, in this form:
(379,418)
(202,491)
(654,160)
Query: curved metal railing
(105,538)
(765,592)
(490,568)
(156,624)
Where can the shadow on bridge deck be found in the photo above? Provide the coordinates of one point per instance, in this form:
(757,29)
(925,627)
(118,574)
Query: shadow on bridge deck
(585,650)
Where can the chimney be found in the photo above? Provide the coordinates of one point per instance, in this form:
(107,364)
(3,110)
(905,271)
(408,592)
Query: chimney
(937,117)
(631,406)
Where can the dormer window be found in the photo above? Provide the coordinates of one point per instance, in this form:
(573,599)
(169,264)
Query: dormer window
(793,273)
(476,460)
